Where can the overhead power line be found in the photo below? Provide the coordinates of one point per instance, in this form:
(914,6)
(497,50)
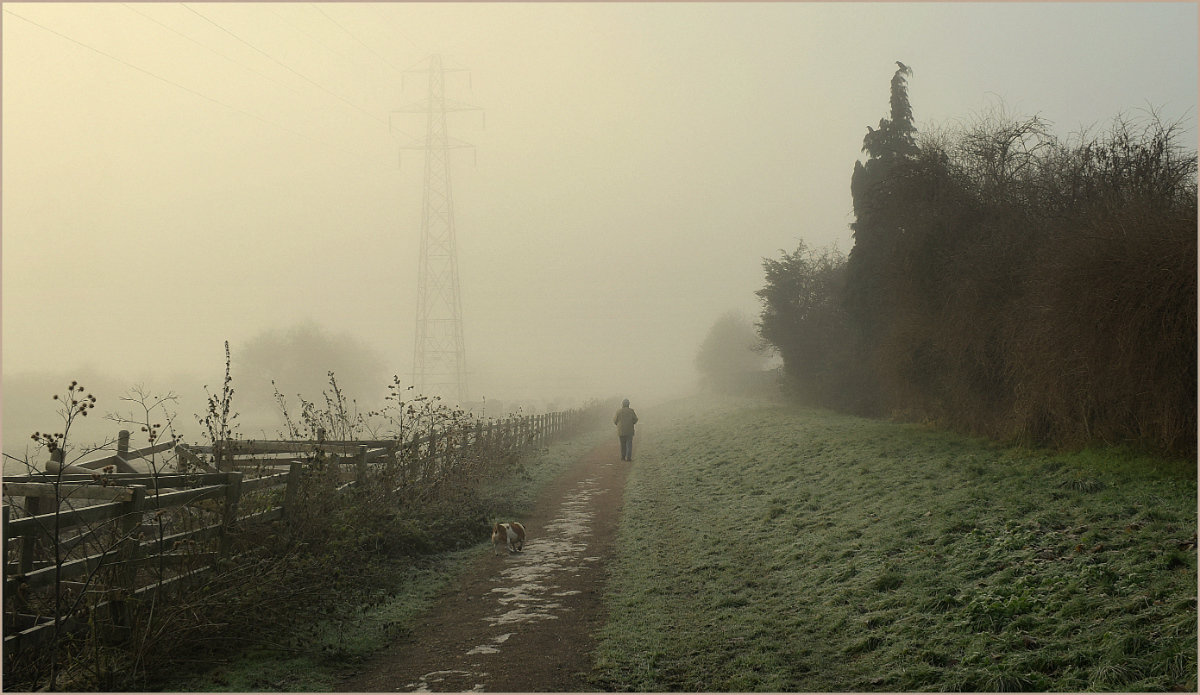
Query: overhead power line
(287,67)
(386,21)
(184,88)
(144,71)
(212,50)
(291,22)
(362,43)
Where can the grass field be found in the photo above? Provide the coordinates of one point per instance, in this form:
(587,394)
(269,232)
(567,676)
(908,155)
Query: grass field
(773,548)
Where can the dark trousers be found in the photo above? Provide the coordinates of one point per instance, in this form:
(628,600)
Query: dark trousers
(626,447)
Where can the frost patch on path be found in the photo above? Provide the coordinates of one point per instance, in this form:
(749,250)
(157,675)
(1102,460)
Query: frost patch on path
(526,590)
(515,595)
(525,594)
(489,648)
(427,681)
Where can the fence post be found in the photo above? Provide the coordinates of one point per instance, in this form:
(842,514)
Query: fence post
(29,542)
(28,547)
(6,564)
(4,535)
(233,495)
(125,576)
(409,457)
(123,444)
(360,467)
(290,492)
(431,459)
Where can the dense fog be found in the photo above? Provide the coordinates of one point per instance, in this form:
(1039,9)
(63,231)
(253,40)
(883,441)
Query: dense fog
(178,176)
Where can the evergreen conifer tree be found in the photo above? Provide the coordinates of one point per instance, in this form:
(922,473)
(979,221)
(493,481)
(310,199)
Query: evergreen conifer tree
(875,190)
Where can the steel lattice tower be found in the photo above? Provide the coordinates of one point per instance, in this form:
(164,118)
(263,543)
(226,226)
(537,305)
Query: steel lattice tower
(439,354)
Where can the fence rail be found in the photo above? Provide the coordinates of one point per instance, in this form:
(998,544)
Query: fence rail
(83,539)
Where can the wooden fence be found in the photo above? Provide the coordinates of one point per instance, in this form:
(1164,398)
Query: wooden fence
(82,541)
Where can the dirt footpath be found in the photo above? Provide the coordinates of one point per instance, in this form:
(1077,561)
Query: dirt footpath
(520,622)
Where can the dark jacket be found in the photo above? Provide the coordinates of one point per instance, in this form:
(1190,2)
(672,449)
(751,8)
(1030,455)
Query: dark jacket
(625,419)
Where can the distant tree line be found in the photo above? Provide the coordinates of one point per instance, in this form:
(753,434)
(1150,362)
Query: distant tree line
(1006,283)
(732,359)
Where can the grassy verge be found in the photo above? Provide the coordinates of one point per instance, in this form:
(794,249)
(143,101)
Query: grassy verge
(773,548)
(316,659)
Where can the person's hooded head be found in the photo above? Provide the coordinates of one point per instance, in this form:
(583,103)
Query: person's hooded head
(625,403)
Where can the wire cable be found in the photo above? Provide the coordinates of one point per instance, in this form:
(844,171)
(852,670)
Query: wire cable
(310,36)
(189,90)
(360,41)
(283,65)
(215,52)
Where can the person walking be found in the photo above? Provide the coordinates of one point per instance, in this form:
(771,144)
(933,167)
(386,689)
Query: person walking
(625,419)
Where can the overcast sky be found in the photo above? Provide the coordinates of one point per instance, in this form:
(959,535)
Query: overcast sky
(178,175)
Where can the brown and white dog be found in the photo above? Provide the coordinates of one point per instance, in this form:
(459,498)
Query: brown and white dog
(512,535)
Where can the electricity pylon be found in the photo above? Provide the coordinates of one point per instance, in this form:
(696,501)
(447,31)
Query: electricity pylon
(439,352)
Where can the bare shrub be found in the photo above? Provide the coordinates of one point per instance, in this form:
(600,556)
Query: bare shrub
(348,527)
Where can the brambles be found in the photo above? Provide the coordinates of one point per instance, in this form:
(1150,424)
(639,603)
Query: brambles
(52,442)
(63,599)
(261,560)
(72,404)
(219,417)
(148,407)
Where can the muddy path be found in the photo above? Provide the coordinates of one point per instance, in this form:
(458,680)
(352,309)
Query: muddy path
(520,622)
